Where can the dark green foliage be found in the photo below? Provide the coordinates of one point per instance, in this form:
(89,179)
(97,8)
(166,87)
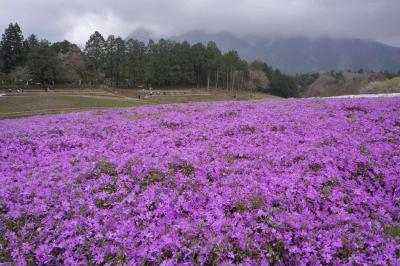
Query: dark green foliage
(262,66)
(283,85)
(115,60)
(186,73)
(165,63)
(102,167)
(64,47)
(344,253)
(135,62)
(280,84)
(315,167)
(183,167)
(198,54)
(30,43)
(12,52)
(44,64)
(277,252)
(392,230)
(326,187)
(5,256)
(95,51)
(107,168)
(212,55)
(389,75)
(305,80)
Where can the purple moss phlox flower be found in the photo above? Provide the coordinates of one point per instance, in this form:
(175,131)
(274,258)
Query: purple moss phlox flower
(276,182)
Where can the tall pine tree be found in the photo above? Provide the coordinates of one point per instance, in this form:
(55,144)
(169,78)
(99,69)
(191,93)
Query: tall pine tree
(212,57)
(12,51)
(95,50)
(115,59)
(135,55)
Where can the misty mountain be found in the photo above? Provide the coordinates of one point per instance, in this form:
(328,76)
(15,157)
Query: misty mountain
(225,41)
(142,35)
(300,54)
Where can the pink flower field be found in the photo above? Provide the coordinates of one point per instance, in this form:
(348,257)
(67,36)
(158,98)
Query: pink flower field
(276,182)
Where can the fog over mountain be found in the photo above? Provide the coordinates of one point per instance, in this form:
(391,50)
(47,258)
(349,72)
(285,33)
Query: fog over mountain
(75,20)
(298,54)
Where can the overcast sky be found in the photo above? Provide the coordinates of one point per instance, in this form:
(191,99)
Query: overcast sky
(75,20)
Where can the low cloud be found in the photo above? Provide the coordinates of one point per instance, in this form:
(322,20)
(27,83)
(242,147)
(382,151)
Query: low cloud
(75,20)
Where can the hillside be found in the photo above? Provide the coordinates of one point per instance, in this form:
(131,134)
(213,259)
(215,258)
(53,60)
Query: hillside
(335,83)
(331,83)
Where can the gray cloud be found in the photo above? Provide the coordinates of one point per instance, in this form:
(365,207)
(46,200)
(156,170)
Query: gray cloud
(75,20)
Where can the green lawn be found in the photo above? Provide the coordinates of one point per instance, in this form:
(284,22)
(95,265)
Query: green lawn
(21,106)
(205,98)
(32,105)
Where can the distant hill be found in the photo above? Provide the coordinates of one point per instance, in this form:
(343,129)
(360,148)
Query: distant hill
(335,83)
(332,83)
(301,55)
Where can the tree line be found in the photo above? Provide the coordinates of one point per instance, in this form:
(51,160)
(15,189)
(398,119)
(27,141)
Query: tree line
(116,62)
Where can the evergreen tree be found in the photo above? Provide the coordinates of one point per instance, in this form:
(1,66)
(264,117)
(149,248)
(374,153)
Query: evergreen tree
(258,65)
(115,59)
(199,61)
(186,71)
(135,61)
(2,75)
(231,64)
(149,65)
(28,44)
(283,85)
(95,51)
(120,61)
(44,64)
(12,52)
(165,63)
(212,58)
(64,47)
